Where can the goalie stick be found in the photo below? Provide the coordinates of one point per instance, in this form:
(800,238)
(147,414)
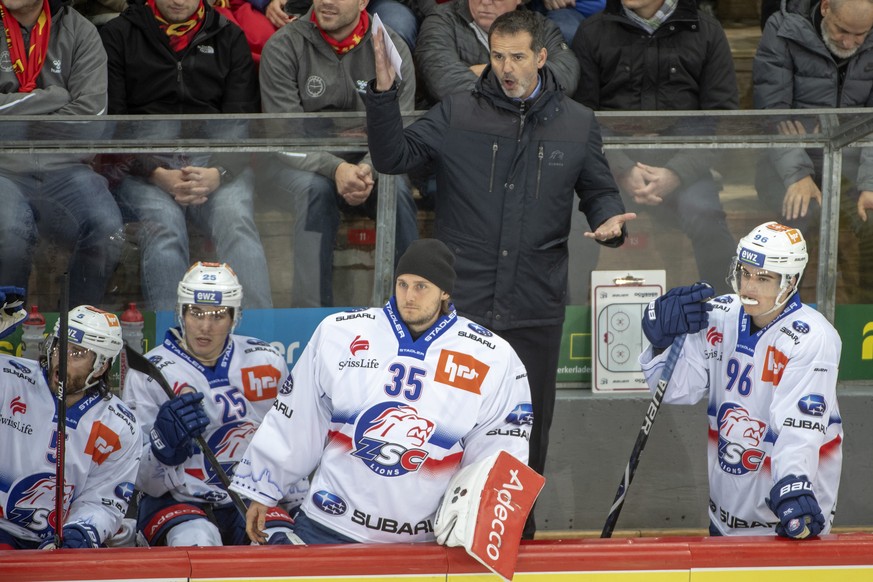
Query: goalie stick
(643,436)
(140,363)
(61,426)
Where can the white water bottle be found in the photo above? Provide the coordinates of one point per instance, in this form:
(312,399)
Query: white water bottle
(33,334)
(131,327)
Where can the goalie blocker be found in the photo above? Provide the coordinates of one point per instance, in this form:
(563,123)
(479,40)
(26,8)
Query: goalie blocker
(485,508)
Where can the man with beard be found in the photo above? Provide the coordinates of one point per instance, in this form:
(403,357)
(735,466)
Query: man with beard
(386,405)
(817,55)
(102,438)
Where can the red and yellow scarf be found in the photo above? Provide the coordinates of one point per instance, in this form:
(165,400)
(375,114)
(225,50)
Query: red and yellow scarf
(180,34)
(27,63)
(351,41)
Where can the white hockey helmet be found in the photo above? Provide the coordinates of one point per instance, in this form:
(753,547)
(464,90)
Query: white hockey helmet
(96,330)
(775,248)
(210,285)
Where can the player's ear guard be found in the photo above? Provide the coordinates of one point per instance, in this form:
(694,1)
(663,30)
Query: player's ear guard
(793,501)
(484,510)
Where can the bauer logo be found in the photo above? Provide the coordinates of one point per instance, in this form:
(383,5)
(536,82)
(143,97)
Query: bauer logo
(752,257)
(812,404)
(329,502)
(207,297)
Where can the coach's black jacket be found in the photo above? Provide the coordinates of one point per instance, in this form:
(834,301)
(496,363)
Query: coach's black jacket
(506,174)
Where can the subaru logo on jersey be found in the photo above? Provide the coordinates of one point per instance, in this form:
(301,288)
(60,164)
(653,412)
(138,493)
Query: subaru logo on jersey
(752,257)
(389,437)
(800,326)
(726,299)
(256,342)
(19,366)
(124,490)
(812,404)
(479,329)
(522,414)
(329,502)
(207,297)
(287,386)
(31,501)
(740,438)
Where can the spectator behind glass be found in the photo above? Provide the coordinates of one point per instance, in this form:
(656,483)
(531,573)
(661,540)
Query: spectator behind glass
(568,14)
(200,63)
(644,55)
(453,47)
(55,195)
(504,214)
(321,62)
(818,55)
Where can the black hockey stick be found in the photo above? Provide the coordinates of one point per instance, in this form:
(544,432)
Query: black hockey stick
(140,363)
(643,436)
(61,427)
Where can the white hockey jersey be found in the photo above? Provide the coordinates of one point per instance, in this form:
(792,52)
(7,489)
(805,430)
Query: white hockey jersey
(101,456)
(772,408)
(387,421)
(238,390)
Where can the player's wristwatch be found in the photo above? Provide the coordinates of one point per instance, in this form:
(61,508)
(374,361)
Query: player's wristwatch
(224,175)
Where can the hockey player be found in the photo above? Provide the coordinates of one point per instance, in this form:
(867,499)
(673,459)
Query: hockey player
(386,405)
(767,364)
(224,385)
(102,449)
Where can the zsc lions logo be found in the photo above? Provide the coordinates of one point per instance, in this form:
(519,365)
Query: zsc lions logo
(228,443)
(740,438)
(800,326)
(479,329)
(389,437)
(812,404)
(31,501)
(329,502)
(522,414)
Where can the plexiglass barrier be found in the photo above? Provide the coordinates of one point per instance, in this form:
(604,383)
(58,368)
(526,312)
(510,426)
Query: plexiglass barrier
(728,172)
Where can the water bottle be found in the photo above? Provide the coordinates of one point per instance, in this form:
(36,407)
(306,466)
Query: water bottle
(131,328)
(33,334)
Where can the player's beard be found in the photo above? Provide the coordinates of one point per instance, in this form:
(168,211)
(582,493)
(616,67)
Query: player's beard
(75,383)
(422,319)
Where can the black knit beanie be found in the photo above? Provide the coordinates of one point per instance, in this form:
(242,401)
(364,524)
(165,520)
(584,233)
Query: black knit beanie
(431,259)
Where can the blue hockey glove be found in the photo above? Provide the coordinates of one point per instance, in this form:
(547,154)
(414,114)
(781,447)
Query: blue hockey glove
(794,503)
(681,310)
(178,421)
(12,311)
(76,535)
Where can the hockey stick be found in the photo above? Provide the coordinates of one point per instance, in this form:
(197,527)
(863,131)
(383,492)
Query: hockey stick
(61,427)
(140,363)
(643,436)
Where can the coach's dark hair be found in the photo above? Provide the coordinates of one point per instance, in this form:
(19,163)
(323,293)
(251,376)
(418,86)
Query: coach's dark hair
(517,21)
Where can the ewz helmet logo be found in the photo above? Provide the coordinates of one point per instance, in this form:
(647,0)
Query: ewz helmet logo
(389,437)
(752,257)
(207,297)
(740,438)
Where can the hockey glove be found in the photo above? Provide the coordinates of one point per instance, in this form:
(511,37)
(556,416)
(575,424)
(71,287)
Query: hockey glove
(794,503)
(279,528)
(12,311)
(681,310)
(178,421)
(76,535)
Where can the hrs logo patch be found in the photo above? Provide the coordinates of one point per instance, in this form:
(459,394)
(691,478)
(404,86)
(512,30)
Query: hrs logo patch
(774,365)
(260,382)
(102,442)
(461,371)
